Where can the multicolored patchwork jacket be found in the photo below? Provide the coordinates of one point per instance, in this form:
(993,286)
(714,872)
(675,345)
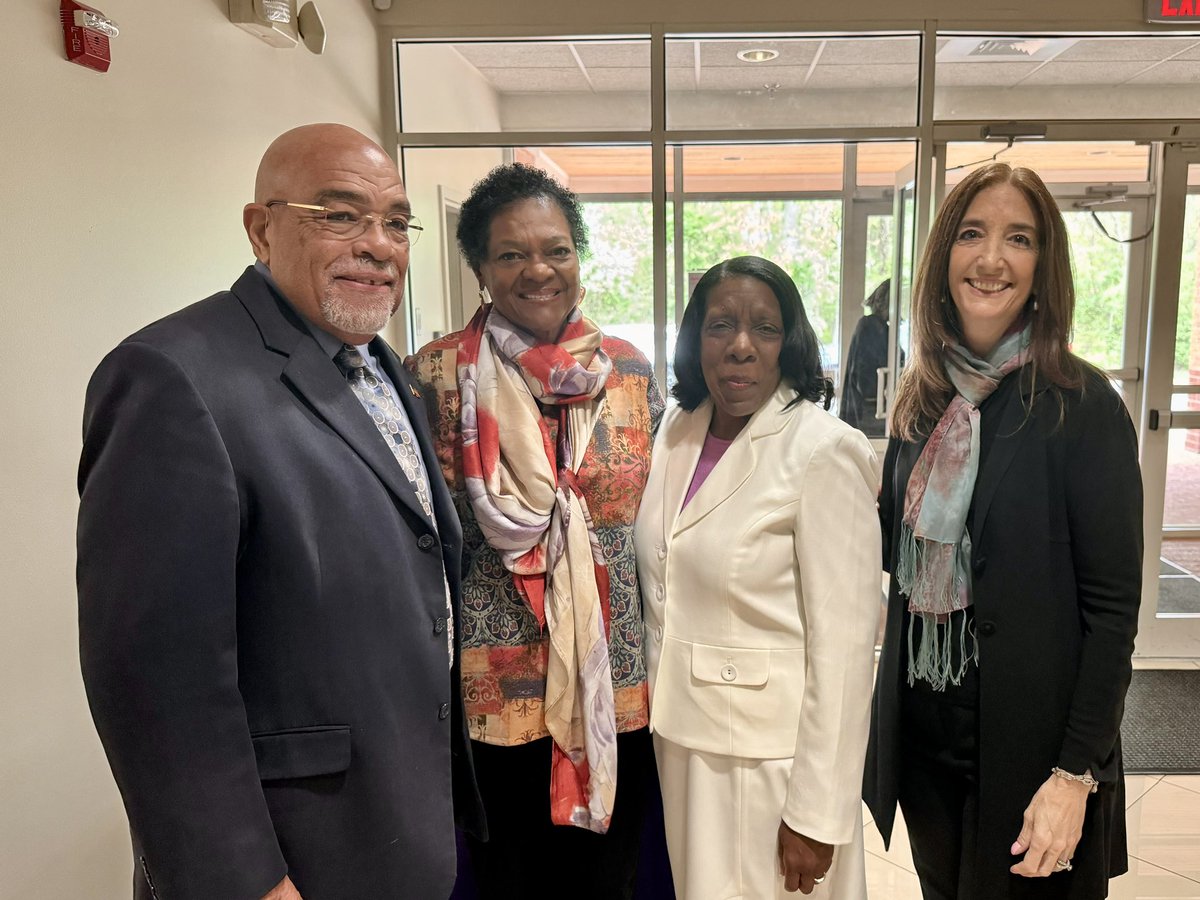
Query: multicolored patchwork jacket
(503,648)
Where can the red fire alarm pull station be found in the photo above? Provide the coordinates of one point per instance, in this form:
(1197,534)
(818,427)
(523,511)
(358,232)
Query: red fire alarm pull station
(86,34)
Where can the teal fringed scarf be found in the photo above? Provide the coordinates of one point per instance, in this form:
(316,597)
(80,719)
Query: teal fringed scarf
(934,564)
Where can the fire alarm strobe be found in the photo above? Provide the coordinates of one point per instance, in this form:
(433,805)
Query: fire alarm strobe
(86,34)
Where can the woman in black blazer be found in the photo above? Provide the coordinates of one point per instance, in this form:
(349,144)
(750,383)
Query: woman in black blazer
(1011,510)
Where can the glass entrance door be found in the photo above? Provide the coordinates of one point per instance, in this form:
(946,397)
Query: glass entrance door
(1170,427)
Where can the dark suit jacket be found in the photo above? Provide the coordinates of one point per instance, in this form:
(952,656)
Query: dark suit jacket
(1056,529)
(262,616)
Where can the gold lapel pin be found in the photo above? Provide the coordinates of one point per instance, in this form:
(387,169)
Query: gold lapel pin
(415,392)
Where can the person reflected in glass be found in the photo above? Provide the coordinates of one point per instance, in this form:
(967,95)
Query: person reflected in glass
(543,427)
(757,545)
(1011,511)
(868,353)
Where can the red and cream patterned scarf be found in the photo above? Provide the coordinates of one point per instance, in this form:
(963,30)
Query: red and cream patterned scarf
(523,488)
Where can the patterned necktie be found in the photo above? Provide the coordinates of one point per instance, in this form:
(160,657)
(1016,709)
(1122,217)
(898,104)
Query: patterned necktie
(385,412)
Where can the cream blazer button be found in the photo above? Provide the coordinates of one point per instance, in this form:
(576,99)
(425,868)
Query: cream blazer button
(729,672)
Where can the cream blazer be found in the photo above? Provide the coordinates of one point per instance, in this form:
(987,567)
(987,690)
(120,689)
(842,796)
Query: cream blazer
(762,599)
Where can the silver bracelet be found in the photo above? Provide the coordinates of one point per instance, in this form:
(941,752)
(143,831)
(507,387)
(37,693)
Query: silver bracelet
(1086,778)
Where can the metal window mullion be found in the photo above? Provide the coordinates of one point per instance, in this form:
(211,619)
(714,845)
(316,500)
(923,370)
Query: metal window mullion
(658,193)
(678,212)
(922,204)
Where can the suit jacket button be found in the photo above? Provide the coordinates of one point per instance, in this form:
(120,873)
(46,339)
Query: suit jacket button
(978,564)
(987,628)
(439,625)
(426,542)
(443,710)
(729,672)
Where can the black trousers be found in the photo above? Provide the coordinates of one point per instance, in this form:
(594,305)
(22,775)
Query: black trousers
(939,787)
(939,796)
(529,858)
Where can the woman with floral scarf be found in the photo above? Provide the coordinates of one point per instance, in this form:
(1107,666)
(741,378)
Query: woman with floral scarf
(1011,509)
(543,428)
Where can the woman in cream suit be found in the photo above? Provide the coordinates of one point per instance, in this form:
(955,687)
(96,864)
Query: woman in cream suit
(758,554)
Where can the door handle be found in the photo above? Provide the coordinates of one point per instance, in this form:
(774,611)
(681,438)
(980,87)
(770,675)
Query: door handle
(1174,418)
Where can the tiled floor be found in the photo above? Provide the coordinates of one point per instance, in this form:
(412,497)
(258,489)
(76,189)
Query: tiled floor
(1163,818)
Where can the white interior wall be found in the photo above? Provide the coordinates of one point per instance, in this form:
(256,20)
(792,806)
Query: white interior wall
(454,170)
(123,202)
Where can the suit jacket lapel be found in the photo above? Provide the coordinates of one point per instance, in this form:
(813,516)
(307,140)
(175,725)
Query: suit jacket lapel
(732,470)
(414,405)
(683,443)
(1012,427)
(316,379)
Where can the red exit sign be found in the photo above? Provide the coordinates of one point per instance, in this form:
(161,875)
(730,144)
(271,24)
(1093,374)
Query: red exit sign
(1171,11)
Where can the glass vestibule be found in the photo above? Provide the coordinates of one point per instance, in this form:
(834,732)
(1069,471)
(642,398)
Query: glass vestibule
(1104,191)
(599,110)
(1170,620)
(824,212)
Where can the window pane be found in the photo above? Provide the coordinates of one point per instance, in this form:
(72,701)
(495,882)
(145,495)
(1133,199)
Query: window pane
(619,272)
(1187,342)
(592,85)
(808,82)
(617,275)
(1100,268)
(802,236)
(1032,77)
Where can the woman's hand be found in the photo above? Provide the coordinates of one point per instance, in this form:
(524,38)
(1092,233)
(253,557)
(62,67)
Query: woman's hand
(802,861)
(1053,822)
(285,890)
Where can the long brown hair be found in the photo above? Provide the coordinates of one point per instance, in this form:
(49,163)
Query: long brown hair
(924,390)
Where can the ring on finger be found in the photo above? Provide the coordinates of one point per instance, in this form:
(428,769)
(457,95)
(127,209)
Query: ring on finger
(819,879)
(1063,865)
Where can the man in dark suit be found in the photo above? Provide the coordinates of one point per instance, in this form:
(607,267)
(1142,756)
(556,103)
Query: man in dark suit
(269,565)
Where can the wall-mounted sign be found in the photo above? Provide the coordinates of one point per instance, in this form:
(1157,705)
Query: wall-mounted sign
(1172,12)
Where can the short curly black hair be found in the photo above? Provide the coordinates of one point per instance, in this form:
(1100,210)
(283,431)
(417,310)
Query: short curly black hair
(503,186)
(799,357)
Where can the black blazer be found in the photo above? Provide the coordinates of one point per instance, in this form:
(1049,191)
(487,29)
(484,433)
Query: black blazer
(1056,531)
(262,616)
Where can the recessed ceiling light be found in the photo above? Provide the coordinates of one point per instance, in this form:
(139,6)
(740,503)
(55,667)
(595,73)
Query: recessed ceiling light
(757,54)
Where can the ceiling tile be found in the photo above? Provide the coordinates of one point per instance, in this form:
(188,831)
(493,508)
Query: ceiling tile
(1176,71)
(726,79)
(867,76)
(724,53)
(681,53)
(982,74)
(681,79)
(620,80)
(612,55)
(1084,73)
(517,54)
(1117,49)
(527,81)
(899,51)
